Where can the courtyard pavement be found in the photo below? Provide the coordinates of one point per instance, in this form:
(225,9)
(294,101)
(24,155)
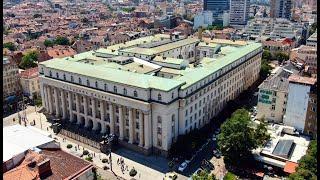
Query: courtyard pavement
(147,167)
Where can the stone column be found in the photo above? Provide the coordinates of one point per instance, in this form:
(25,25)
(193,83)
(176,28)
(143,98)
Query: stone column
(121,127)
(42,93)
(56,99)
(102,110)
(94,125)
(111,113)
(50,100)
(103,128)
(130,126)
(147,129)
(78,109)
(140,129)
(70,106)
(45,97)
(93,106)
(85,109)
(64,108)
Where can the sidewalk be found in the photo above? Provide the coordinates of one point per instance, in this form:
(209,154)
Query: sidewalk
(143,172)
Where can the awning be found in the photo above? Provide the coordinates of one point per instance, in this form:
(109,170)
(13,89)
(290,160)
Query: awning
(10,98)
(290,167)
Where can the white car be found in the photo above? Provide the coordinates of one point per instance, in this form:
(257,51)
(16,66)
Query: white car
(183,166)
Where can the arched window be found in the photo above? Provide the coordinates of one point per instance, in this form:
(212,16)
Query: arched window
(50,73)
(88,82)
(135,93)
(105,87)
(64,77)
(173,117)
(115,89)
(159,97)
(71,78)
(80,81)
(96,84)
(124,91)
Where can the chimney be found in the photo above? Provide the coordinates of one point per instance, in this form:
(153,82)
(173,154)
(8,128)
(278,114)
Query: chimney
(44,168)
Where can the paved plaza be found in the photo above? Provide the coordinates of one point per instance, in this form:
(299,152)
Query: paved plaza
(147,167)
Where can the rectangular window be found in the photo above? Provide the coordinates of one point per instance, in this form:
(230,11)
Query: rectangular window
(186,112)
(273,107)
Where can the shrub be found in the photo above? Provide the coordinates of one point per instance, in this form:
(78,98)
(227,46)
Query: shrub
(69,146)
(85,152)
(88,158)
(104,160)
(132,172)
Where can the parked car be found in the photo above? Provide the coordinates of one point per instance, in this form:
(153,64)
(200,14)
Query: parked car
(183,166)
(170,176)
(207,165)
(217,153)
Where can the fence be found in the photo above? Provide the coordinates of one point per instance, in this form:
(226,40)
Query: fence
(80,138)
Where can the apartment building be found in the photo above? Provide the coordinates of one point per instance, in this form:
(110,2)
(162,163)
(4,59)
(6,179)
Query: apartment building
(312,40)
(280,9)
(147,91)
(298,101)
(11,84)
(239,12)
(29,80)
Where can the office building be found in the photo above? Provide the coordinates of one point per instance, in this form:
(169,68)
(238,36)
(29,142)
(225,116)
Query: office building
(299,92)
(280,9)
(202,19)
(312,40)
(217,7)
(148,91)
(239,12)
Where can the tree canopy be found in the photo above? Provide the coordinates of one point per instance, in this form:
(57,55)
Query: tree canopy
(307,168)
(238,137)
(281,56)
(60,40)
(48,43)
(203,175)
(10,46)
(29,60)
(264,69)
(266,55)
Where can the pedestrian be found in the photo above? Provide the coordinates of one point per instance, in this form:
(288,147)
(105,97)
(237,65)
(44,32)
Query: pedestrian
(118,161)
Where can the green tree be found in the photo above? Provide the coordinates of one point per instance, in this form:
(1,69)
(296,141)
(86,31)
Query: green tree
(10,46)
(203,175)
(264,69)
(281,56)
(48,43)
(230,176)
(238,138)
(307,168)
(62,41)
(29,60)
(210,27)
(266,55)
(262,132)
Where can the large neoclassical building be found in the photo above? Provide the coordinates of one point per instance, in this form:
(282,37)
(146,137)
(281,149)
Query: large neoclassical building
(149,90)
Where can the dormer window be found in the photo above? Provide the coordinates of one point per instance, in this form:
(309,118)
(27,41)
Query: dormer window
(124,91)
(105,87)
(135,93)
(159,97)
(96,84)
(71,78)
(57,75)
(172,95)
(64,77)
(80,81)
(88,82)
(50,73)
(115,89)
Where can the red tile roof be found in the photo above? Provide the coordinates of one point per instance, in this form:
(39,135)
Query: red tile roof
(290,167)
(301,79)
(30,73)
(63,165)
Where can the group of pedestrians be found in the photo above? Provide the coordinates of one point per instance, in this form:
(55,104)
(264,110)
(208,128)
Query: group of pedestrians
(121,163)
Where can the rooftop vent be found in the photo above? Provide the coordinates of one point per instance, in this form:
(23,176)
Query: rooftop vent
(164,57)
(32,164)
(141,65)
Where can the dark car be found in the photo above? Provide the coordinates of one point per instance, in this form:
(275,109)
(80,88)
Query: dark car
(207,165)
